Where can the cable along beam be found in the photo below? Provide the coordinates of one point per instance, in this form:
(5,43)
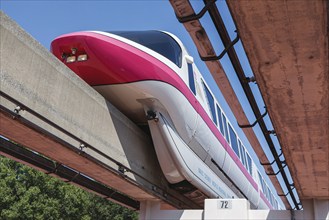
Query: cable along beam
(223,34)
(199,15)
(163,194)
(51,167)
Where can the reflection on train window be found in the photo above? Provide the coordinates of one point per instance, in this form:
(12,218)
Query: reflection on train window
(261,181)
(265,189)
(234,141)
(225,128)
(220,121)
(249,164)
(272,199)
(211,103)
(267,192)
(243,156)
(191,77)
(239,145)
(158,41)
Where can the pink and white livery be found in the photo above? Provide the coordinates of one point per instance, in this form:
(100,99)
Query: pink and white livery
(150,77)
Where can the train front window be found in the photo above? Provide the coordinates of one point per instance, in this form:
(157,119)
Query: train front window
(158,41)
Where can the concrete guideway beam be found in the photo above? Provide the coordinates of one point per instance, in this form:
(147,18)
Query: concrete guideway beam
(34,77)
(287,47)
(217,209)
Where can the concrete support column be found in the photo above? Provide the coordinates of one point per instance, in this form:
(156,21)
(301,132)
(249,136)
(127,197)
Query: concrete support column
(214,209)
(316,209)
(226,209)
(217,209)
(151,210)
(146,209)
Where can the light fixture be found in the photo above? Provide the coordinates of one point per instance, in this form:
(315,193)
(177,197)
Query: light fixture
(70,59)
(82,57)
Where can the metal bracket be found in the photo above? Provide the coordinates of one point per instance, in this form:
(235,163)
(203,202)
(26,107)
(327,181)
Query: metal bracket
(274,174)
(194,16)
(284,195)
(75,176)
(151,115)
(272,132)
(122,170)
(81,147)
(280,153)
(267,164)
(17,110)
(253,124)
(220,56)
(284,162)
(292,188)
(110,196)
(298,204)
(251,79)
(57,165)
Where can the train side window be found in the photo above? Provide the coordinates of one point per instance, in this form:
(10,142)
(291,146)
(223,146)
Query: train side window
(249,163)
(191,77)
(234,141)
(211,103)
(264,191)
(272,199)
(225,128)
(267,193)
(220,121)
(239,145)
(243,156)
(261,181)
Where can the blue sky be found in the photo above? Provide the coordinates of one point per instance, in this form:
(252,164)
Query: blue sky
(45,20)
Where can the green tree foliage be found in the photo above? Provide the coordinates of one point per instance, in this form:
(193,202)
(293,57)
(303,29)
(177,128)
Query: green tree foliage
(26,193)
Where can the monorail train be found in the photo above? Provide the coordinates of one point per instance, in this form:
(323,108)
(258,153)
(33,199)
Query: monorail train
(150,77)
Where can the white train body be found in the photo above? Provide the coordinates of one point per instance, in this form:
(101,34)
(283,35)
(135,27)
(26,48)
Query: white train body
(193,139)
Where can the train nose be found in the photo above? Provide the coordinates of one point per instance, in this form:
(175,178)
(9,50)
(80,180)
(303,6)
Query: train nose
(76,52)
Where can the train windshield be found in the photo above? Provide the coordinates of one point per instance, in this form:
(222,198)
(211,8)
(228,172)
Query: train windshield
(158,41)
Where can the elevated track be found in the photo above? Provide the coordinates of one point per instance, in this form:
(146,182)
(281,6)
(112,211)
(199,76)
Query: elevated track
(48,109)
(287,46)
